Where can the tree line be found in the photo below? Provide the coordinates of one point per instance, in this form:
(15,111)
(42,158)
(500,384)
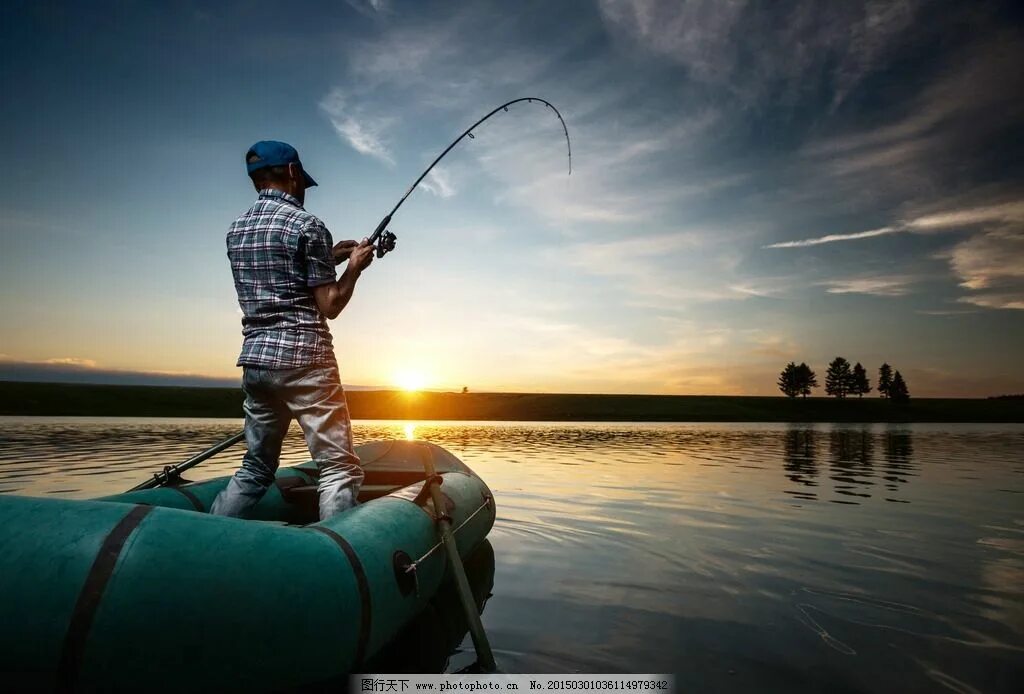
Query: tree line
(842,380)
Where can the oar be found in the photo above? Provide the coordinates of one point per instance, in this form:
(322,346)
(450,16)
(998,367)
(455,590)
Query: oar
(173,472)
(484,656)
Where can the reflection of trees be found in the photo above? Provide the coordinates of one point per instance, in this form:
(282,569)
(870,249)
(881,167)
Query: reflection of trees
(799,461)
(899,463)
(850,453)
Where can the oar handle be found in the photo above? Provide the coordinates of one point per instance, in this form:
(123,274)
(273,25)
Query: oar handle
(173,472)
(484,655)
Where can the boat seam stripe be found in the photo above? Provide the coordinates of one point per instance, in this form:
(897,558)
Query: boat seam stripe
(90,596)
(193,499)
(364,592)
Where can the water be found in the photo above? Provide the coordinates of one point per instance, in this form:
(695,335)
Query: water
(738,556)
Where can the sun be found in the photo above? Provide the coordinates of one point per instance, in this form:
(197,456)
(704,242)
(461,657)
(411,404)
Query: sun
(410,380)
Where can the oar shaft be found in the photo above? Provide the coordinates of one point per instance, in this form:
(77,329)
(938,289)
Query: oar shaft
(484,656)
(161,478)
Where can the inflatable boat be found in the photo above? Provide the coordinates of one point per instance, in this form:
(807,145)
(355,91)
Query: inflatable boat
(147,591)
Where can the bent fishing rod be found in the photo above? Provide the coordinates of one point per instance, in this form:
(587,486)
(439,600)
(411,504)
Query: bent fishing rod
(385,241)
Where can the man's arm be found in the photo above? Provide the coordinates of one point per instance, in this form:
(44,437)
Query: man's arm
(332,297)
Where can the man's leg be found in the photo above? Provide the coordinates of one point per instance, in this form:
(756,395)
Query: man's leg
(266,423)
(317,400)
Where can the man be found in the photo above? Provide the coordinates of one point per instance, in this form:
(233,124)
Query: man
(283,261)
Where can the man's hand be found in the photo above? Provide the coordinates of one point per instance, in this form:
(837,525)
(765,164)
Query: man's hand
(342,250)
(361,256)
(332,297)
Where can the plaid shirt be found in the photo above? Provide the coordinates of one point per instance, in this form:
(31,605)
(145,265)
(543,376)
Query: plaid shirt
(278,252)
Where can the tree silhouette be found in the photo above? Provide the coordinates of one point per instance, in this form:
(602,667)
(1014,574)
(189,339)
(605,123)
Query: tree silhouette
(859,384)
(789,382)
(465,390)
(837,378)
(884,380)
(805,379)
(898,390)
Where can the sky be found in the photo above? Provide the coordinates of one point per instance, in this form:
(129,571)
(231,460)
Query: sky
(752,184)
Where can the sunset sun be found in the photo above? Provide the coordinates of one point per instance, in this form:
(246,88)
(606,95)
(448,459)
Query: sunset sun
(410,379)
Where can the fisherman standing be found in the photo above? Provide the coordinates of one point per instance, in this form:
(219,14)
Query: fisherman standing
(283,259)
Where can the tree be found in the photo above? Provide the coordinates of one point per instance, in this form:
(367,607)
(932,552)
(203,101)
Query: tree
(859,384)
(806,379)
(465,390)
(837,378)
(789,380)
(898,390)
(884,380)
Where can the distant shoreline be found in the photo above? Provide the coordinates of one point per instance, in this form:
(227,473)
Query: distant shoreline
(19,398)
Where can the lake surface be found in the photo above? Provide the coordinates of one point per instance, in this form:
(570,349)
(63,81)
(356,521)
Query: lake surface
(738,556)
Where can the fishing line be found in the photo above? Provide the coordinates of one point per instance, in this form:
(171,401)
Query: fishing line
(385,240)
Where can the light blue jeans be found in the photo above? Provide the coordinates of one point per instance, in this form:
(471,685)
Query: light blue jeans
(313,395)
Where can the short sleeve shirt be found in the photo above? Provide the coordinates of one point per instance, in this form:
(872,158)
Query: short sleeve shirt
(278,253)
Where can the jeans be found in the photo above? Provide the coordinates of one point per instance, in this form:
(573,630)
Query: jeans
(313,395)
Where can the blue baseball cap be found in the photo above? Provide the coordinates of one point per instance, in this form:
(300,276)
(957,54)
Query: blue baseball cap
(273,153)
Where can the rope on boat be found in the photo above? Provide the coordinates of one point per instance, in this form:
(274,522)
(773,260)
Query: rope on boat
(412,566)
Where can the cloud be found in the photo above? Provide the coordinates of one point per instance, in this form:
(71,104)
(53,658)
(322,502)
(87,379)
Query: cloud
(989,262)
(940,221)
(993,300)
(1004,212)
(623,255)
(370,8)
(695,33)
(71,361)
(363,134)
(447,64)
(949,131)
(665,272)
(624,170)
(946,312)
(753,53)
(439,182)
(991,266)
(77,370)
(832,238)
(874,286)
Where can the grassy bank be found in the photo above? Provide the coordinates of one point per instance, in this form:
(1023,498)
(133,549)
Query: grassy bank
(57,399)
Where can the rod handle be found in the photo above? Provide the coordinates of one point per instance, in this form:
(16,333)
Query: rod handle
(380,229)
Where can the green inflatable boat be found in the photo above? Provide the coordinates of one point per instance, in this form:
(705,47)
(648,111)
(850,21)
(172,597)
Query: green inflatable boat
(145,590)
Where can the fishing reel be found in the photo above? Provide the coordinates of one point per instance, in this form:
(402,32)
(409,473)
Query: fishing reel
(382,238)
(386,243)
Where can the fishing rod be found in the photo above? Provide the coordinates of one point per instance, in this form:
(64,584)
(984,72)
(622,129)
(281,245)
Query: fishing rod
(387,239)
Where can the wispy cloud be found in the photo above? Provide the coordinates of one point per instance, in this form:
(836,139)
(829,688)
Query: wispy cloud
(945,131)
(874,286)
(439,182)
(370,7)
(793,42)
(832,238)
(939,221)
(991,266)
(946,312)
(363,134)
(78,370)
(71,361)
(951,219)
